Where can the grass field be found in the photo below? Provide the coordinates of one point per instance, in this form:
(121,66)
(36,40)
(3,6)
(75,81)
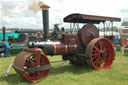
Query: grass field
(66,74)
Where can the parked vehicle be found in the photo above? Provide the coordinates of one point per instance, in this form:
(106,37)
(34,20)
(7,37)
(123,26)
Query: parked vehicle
(15,48)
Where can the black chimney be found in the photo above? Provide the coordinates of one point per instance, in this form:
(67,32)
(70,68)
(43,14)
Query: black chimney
(45,17)
(4,33)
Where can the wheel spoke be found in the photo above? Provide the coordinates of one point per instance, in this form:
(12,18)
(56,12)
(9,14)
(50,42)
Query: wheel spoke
(96,49)
(95,56)
(105,59)
(101,62)
(27,64)
(32,62)
(98,58)
(100,44)
(105,48)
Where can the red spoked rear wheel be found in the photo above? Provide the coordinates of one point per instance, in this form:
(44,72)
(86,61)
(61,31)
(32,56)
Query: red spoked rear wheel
(101,53)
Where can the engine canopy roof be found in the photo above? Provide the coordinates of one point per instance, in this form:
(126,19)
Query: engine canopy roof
(84,18)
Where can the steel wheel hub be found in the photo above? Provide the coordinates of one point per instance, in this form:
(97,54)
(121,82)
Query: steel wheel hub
(102,54)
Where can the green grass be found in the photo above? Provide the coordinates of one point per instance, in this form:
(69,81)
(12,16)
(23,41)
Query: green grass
(66,74)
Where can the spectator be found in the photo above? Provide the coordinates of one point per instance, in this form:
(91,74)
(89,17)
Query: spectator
(63,30)
(7,48)
(126,50)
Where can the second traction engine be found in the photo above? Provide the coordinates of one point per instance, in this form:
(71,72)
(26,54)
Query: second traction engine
(81,48)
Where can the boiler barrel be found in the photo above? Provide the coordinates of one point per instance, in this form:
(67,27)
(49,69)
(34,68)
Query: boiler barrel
(55,48)
(60,49)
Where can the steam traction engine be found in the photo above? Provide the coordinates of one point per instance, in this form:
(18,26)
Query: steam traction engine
(80,48)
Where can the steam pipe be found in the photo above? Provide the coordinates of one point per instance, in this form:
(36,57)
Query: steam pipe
(27,31)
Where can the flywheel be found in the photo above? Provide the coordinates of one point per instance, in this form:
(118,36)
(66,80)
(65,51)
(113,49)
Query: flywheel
(88,32)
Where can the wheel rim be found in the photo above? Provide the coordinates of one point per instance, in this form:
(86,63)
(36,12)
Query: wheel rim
(101,53)
(26,60)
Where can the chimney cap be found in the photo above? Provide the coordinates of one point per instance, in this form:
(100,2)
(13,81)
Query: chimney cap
(4,27)
(44,7)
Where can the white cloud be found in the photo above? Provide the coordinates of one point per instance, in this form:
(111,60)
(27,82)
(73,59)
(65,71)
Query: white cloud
(16,13)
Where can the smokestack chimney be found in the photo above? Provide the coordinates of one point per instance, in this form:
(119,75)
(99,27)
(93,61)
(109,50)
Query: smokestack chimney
(45,14)
(4,33)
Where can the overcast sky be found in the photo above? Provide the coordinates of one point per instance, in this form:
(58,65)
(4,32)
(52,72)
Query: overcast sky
(17,13)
